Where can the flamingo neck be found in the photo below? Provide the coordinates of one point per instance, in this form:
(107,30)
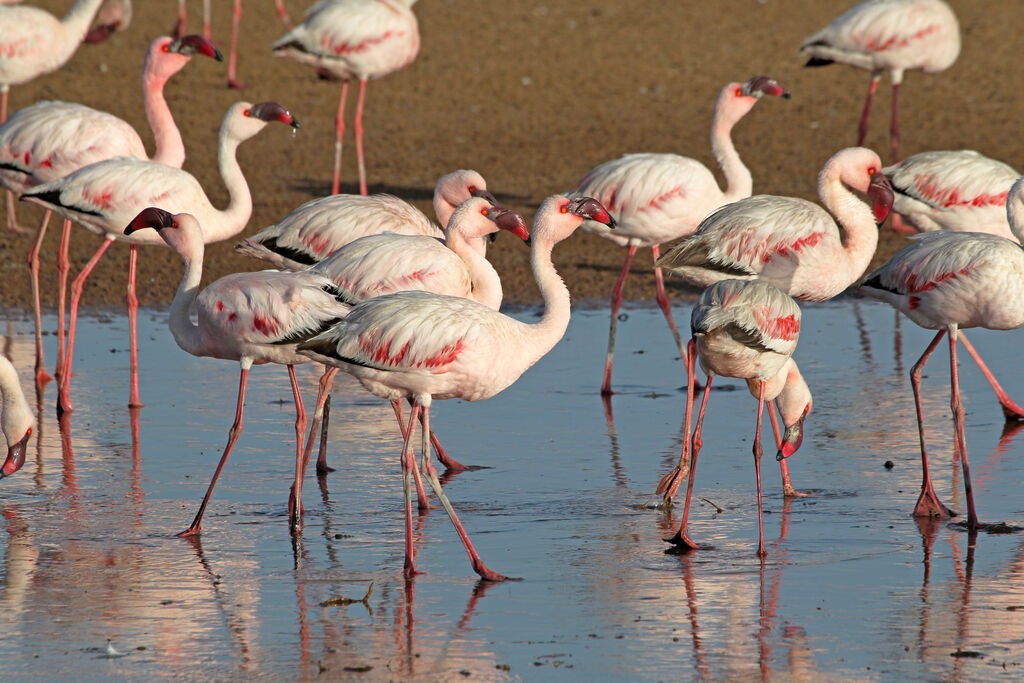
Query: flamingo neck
(15,408)
(860,233)
(185,332)
(76,24)
(795,394)
(738,181)
(552,325)
(485,280)
(232,220)
(170,148)
(1015,210)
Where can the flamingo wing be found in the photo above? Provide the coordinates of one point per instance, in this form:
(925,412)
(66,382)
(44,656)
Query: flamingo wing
(935,261)
(755,314)
(949,180)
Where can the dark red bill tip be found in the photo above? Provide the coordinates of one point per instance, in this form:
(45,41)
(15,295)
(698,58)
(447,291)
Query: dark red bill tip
(273,111)
(151,217)
(194,44)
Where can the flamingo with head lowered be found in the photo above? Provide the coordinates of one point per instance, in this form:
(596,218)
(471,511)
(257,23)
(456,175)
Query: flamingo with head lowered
(16,418)
(659,197)
(109,193)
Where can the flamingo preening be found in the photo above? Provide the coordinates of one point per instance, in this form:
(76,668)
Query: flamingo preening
(109,193)
(888,35)
(346,39)
(252,318)
(746,329)
(424,346)
(16,418)
(659,197)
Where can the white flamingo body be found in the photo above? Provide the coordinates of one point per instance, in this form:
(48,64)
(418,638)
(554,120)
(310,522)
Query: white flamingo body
(792,243)
(746,329)
(659,197)
(892,36)
(319,227)
(424,346)
(16,418)
(953,190)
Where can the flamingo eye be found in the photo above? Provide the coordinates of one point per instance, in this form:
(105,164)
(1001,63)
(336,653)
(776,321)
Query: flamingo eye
(29,432)
(247,112)
(485,212)
(472,189)
(564,209)
(739,92)
(872,171)
(165,48)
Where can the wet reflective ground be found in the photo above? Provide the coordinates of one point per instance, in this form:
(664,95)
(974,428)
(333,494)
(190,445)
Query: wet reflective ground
(853,586)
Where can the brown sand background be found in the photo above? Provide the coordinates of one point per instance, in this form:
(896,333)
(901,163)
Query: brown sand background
(531,93)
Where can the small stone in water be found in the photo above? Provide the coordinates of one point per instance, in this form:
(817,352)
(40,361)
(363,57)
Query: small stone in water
(889,464)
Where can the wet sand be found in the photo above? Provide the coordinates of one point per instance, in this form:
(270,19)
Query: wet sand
(532,95)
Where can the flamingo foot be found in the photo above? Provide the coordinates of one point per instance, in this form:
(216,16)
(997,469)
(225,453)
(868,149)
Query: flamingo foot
(323,470)
(682,541)
(790,492)
(410,570)
(189,532)
(669,484)
(64,406)
(929,505)
(1012,412)
(42,378)
(19,229)
(136,404)
(487,574)
(236,84)
(899,226)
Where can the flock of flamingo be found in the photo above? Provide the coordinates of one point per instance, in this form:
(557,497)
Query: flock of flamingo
(371,286)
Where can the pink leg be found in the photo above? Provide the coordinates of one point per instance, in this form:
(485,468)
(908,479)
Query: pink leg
(957,407)
(408,467)
(450,463)
(63,266)
(761,552)
(282,12)
(64,397)
(33,266)
(620,284)
(12,216)
(669,484)
(359,136)
(928,504)
(428,469)
(421,494)
(788,490)
(1011,410)
(295,501)
(894,124)
(339,128)
(133,328)
(862,130)
(236,19)
(663,303)
(179,30)
(207,33)
(236,429)
(691,449)
(323,398)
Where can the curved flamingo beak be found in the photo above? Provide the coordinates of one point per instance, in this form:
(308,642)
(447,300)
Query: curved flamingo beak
(15,456)
(486,195)
(591,209)
(150,217)
(882,196)
(764,85)
(793,437)
(510,220)
(194,44)
(272,111)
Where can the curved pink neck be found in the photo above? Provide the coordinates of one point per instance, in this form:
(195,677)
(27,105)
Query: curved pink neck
(728,111)
(170,148)
(855,218)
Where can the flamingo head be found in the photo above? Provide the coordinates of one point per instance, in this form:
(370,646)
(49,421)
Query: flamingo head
(881,194)
(589,209)
(793,436)
(192,44)
(272,111)
(15,455)
(513,221)
(151,217)
(479,217)
(456,187)
(762,85)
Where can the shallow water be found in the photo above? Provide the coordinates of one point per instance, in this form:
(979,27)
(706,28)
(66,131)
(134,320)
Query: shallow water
(853,586)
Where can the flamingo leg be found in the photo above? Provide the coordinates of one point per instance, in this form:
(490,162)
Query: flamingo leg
(1011,410)
(894,123)
(761,552)
(691,449)
(428,469)
(33,266)
(133,329)
(322,468)
(236,429)
(928,504)
(295,509)
(359,136)
(63,267)
(620,284)
(236,19)
(788,491)
(450,463)
(663,303)
(408,467)
(64,396)
(323,398)
(339,133)
(179,30)
(207,33)
(282,12)
(957,407)
(421,494)
(862,129)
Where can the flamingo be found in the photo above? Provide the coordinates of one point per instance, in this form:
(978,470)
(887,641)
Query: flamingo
(792,243)
(948,281)
(382,264)
(746,329)
(49,140)
(253,318)
(423,346)
(345,39)
(888,35)
(319,227)
(953,190)
(113,15)
(658,197)
(110,193)
(16,418)
(33,42)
